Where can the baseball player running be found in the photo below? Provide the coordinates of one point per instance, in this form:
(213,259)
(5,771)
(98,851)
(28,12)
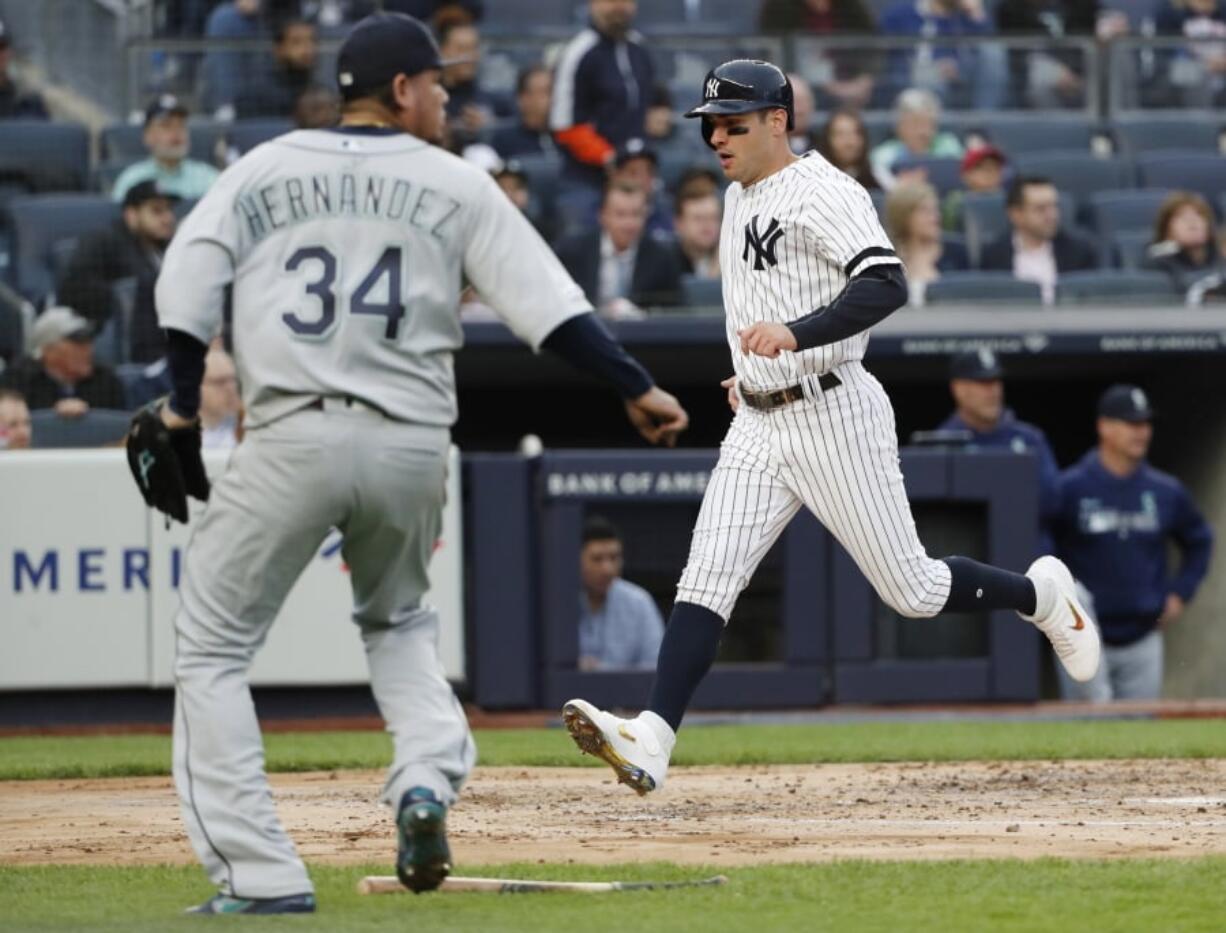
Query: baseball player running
(344,250)
(807,271)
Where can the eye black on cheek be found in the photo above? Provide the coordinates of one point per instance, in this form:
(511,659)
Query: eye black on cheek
(738,130)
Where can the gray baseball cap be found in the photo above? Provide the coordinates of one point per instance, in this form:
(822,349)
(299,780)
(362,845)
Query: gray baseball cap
(56,324)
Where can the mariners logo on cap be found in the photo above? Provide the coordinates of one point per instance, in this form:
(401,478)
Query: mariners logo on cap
(712,90)
(1139,401)
(987,359)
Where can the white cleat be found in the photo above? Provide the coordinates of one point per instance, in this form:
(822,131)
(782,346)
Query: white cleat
(636,749)
(1060,616)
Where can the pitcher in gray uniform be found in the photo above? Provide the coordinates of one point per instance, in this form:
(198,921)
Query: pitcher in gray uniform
(345,250)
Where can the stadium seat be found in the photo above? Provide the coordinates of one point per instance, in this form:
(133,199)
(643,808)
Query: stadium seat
(657,15)
(98,427)
(1080,174)
(1203,173)
(542,172)
(991,288)
(1186,132)
(1114,285)
(675,162)
(527,17)
(1130,247)
(702,294)
(49,156)
(39,222)
(1034,134)
(729,17)
(943,174)
(1110,212)
(245,135)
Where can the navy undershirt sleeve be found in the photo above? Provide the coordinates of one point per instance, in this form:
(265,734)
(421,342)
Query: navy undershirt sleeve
(867,299)
(185,360)
(585,343)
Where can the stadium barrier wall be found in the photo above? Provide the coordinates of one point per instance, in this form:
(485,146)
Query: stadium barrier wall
(90,577)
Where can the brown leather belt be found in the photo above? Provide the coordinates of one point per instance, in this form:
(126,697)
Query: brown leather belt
(769,401)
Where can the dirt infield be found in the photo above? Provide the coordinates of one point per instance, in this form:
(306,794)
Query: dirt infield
(731,816)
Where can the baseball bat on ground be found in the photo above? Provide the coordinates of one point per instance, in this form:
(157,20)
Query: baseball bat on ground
(390,884)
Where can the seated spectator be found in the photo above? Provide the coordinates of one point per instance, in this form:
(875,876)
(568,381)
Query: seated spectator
(284,78)
(843,141)
(512,180)
(620,627)
(15,104)
(168,141)
(699,178)
(220,404)
(469,108)
(131,249)
(963,74)
(636,164)
(1056,78)
(1035,249)
(1197,74)
(530,135)
(983,170)
(976,382)
(913,222)
(844,77)
(916,133)
(696,227)
(60,372)
(618,266)
(227,71)
(660,126)
(317,108)
(803,108)
(1183,245)
(14,421)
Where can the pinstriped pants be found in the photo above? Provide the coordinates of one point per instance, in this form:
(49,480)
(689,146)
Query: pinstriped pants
(836,453)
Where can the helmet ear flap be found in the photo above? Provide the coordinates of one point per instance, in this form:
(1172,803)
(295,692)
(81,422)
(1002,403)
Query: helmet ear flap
(708,128)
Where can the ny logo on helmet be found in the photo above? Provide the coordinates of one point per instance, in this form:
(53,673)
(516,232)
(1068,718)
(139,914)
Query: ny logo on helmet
(763,243)
(712,89)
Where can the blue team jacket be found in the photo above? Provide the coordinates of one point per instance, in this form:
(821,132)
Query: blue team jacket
(1019,437)
(1113,534)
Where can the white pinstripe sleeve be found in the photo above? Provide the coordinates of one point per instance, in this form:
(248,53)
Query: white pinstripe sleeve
(848,229)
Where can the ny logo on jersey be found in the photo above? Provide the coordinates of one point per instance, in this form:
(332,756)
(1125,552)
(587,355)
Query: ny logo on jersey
(763,243)
(712,89)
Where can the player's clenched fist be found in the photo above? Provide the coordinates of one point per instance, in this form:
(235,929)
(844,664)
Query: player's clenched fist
(658,416)
(766,339)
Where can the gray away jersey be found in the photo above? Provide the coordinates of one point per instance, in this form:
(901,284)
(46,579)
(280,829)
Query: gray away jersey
(788,245)
(346,253)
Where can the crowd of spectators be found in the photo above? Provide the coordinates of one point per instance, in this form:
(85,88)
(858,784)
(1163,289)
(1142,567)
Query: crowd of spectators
(589,145)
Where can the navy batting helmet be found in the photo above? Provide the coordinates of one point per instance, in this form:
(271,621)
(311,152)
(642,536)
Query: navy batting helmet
(742,86)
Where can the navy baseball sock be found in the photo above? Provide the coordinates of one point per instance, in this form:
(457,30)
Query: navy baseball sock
(691,640)
(974,586)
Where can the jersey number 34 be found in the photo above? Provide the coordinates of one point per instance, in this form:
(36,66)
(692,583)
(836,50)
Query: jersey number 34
(323,288)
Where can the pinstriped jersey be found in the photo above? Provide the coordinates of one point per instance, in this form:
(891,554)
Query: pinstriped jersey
(788,245)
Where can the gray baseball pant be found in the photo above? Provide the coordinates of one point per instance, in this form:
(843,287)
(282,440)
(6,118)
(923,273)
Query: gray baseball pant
(381,482)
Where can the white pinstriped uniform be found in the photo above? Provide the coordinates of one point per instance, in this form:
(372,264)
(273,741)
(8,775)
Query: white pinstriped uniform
(834,452)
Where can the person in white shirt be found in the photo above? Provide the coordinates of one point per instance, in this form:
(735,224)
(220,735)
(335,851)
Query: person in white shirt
(1035,249)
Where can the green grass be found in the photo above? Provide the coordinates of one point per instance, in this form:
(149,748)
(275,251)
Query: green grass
(109,756)
(1050,894)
